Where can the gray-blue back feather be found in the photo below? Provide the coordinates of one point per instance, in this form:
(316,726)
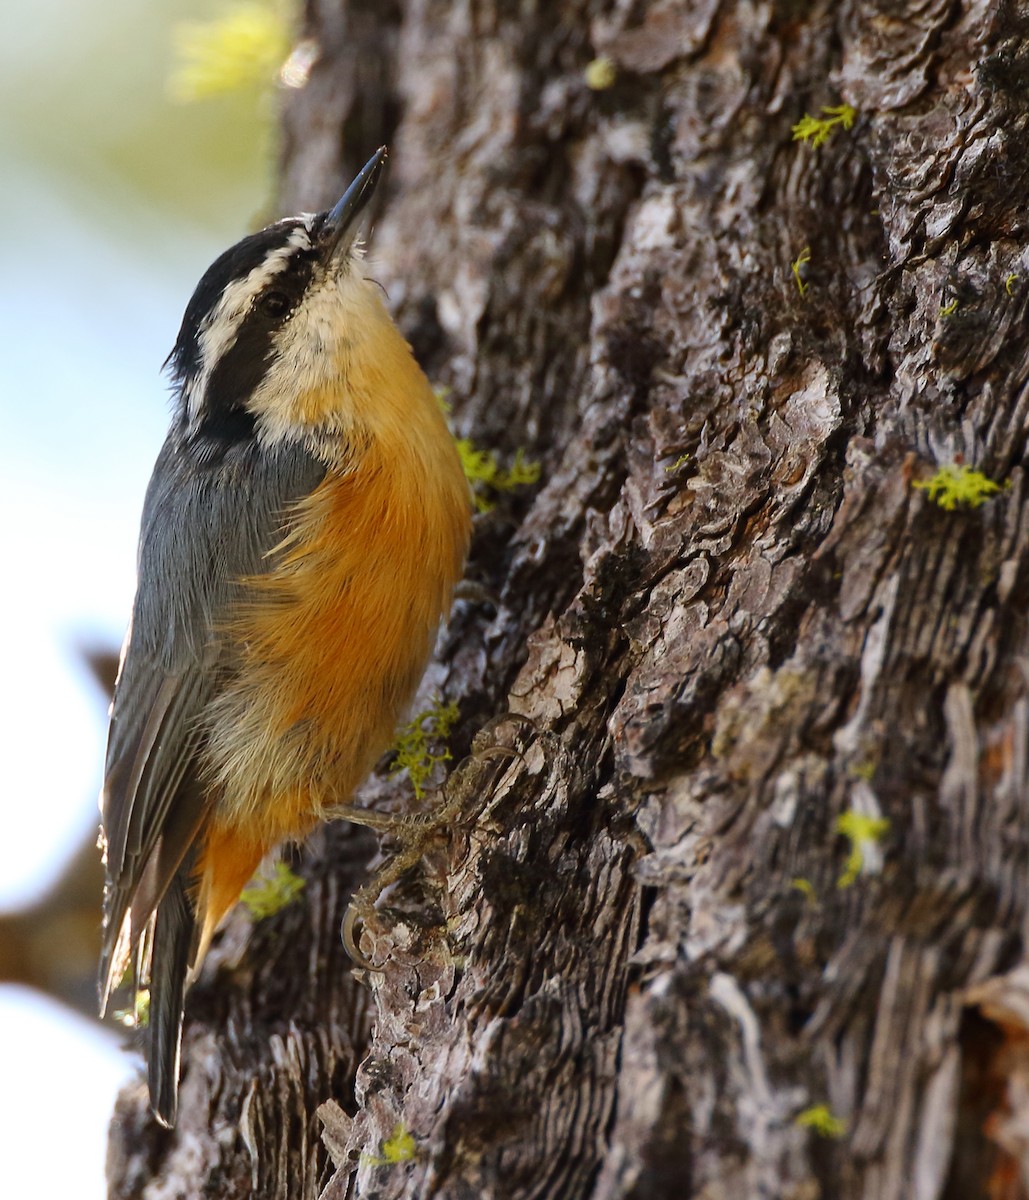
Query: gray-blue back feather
(210,518)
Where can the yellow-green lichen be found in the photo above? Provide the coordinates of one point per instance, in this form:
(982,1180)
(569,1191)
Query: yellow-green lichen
(138,1016)
(266,895)
(681,461)
(806,889)
(820,1119)
(484,472)
(600,74)
(399,1147)
(862,832)
(955,484)
(950,308)
(482,468)
(817,130)
(421,746)
(241,49)
(797,267)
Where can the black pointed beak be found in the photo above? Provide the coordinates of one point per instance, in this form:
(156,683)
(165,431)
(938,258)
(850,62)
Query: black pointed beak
(339,226)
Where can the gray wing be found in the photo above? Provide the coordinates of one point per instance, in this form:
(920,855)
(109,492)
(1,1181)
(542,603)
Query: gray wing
(209,519)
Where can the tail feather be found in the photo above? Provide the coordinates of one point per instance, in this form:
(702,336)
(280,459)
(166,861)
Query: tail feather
(114,954)
(173,943)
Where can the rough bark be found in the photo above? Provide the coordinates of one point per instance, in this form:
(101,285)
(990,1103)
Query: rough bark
(725,618)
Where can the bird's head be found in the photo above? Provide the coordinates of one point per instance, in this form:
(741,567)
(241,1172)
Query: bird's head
(267,343)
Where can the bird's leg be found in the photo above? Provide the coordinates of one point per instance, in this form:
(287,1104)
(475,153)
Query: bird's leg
(413,831)
(372,819)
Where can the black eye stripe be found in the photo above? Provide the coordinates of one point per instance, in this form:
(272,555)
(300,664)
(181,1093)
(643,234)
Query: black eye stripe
(236,264)
(242,366)
(221,430)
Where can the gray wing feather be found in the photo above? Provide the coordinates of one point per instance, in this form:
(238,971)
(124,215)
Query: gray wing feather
(205,525)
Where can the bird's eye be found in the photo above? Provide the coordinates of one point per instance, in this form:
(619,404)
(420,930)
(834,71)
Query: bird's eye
(275,304)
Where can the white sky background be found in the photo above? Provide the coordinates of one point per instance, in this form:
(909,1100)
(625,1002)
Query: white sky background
(94,275)
(85,328)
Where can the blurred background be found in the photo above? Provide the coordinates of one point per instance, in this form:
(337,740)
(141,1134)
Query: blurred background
(137,142)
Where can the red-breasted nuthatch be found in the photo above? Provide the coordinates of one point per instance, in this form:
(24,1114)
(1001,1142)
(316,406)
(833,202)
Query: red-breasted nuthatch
(307,520)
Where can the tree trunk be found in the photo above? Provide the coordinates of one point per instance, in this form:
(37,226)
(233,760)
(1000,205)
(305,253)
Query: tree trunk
(641,960)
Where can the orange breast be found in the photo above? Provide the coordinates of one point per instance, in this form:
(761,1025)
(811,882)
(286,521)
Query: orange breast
(331,646)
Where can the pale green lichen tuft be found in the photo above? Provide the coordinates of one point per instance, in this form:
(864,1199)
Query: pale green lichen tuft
(862,832)
(138,1016)
(484,472)
(399,1147)
(820,1119)
(817,130)
(421,745)
(956,485)
(482,468)
(797,267)
(267,895)
(242,49)
(600,74)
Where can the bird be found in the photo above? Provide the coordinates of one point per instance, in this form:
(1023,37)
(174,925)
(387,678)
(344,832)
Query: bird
(307,521)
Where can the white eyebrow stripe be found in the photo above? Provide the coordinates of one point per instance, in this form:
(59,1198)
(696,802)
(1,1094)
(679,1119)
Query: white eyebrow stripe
(220,327)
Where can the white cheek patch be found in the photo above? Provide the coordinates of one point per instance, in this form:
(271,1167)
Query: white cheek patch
(312,352)
(221,326)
